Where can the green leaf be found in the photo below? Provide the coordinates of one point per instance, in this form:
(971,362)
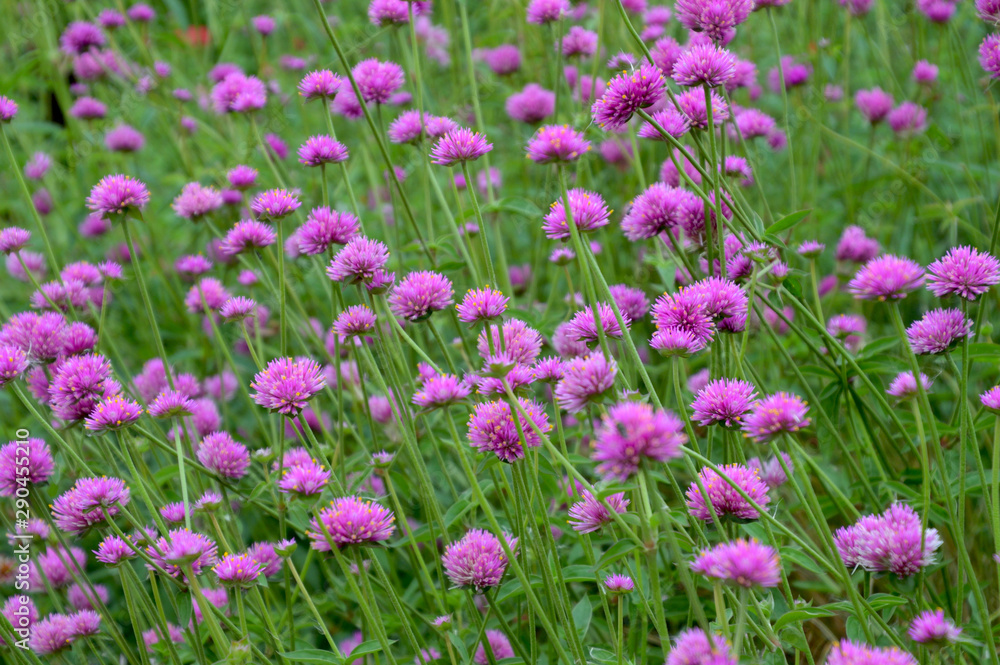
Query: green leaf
(582,613)
(371,646)
(615,552)
(786,222)
(313,656)
(801,614)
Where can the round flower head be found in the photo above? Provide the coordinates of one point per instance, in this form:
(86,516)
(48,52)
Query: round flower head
(378,80)
(358,261)
(118,194)
(724,498)
(694,647)
(774,414)
(350,521)
(8,109)
(287,384)
(113,551)
(908,119)
(320,150)
(242,177)
(531,105)
(579,41)
(420,294)
(521,342)
(740,562)
(79,37)
(847,652)
(585,381)
(223,456)
(124,138)
(617,585)
(247,235)
(274,204)
(965,272)
(546,11)
(481,305)
(904,385)
(810,249)
(587,209)
(499,646)
(492,428)
(931,626)
(238,570)
(874,104)
(938,330)
(554,144)
(724,402)
(855,246)
(989,55)
(704,64)
(631,432)
(991,400)
(112,414)
(583,327)
(355,321)
(321,84)
(692,105)
(325,227)
(52,634)
(886,277)
(86,108)
(670,120)
(238,93)
(440,390)
(304,479)
(13,363)
(924,72)
(890,542)
(590,515)
(208,295)
(675,341)
(24,462)
(13,239)
(182,549)
(407,128)
(196,201)
(627,93)
(657,209)
(715,19)
(477,559)
(84,505)
(459,145)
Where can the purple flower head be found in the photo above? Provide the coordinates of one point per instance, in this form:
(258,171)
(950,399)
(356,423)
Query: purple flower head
(24,462)
(86,622)
(83,506)
(267,555)
(13,363)
(694,647)
(378,80)
(274,204)
(991,400)
(37,166)
(358,261)
(13,239)
(886,277)
(521,342)
(80,382)
(704,64)
(964,271)
(174,513)
(931,626)
(792,74)
(724,498)
(477,559)
(118,194)
(263,24)
(208,295)
(499,645)
(855,246)
(223,456)
(321,84)
(114,551)
(988,11)
(724,402)
(182,549)
(407,128)
(716,18)
(618,585)
(459,145)
(304,479)
(683,312)
(482,305)
(52,634)
(79,37)
(847,652)
(112,414)
(420,294)
(810,249)
(355,321)
(588,210)
(672,121)
(746,563)
(674,341)
(904,385)
(238,570)
(238,93)
(874,104)
(350,521)
(590,515)
(242,177)
(325,227)
(86,108)
(320,150)
(246,236)
(578,41)
(39,336)
(440,390)
(924,72)
(775,414)
(585,381)
(124,138)
(632,432)
(938,330)
(557,144)
(657,209)
(546,11)
(627,93)
(504,59)
(8,109)
(287,384)
(531,105)
(890,542)
(908,119)
(857,7)
(692,105)
(492,428)
(771,472)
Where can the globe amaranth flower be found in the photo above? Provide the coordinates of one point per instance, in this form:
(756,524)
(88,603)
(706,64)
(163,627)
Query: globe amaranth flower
(498,643)
(775,414)
(578,41)
(458,146)
(358,261)
(633,432)
(532,105)
(350,521)
(659,208)
(208,295)
(587,209)
(247,235)
(52,634)
(938,330)
(618,585)
(440,390)
(113,413)
(694,647)
(287,384)
(723,496)
(520,341)
(589,515)
(670,120)
(182,549)
(904,385)
(847,652)
(238,93)
(79,37)
(492,428)
(546,11)
(238,570)
(772,472)
(325,227)
(321,84)
(723,401)
(854,245)
(124,138)
(8,109)
(319,150)
(626,94)
(964,272)
(585,381)
(692,105)
(704,64)
(274,204)
(224,456)
(13,239)
(420,294)
(745,563)
(716,20)
(13,363)
(84,505)
(886,277)
(477,559)
(22,463)
(931,626)
(557,144)
(118,194)
(482,305)
(874,104)
(890,542)
(355,321)
(306,479)
(991,400)
(908,119)
(583,326)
